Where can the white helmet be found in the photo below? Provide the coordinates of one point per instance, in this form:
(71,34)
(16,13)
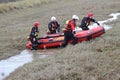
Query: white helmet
(53,18)
(75,17)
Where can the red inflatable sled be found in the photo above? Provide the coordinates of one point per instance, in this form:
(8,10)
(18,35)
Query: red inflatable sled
(56,40)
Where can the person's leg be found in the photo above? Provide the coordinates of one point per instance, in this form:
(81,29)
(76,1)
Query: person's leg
(34,43)
(85,28)
(64,43)
(65,39)
(31,39)
(73,38)
(53,32)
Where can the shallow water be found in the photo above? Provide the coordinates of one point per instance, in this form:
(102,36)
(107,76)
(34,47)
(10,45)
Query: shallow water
(104,23)
(9,65)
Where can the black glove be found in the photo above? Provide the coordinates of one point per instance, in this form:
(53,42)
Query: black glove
(98,23)
(74,32)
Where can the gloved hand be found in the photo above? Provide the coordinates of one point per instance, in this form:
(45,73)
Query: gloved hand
(74,31)
(28,38)
(36,34)
(98,23)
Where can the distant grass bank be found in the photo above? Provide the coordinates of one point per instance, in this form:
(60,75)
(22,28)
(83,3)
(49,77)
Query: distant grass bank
(6,1)
(5,7)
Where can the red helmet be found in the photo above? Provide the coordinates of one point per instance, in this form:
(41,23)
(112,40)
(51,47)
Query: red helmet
(90,15)
(36,24)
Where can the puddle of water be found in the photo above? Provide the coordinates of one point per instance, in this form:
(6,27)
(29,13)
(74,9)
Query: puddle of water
(42,56)
(9,65)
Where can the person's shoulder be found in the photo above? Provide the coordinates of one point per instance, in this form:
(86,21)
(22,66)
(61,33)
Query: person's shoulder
(33,27)
(85,17)
(93,19)
(56,21)
(71,20)
(50,22)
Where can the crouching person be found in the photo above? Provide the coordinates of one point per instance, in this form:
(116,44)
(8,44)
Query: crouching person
(86,21)
(68,32)
(33,36)
(53,26)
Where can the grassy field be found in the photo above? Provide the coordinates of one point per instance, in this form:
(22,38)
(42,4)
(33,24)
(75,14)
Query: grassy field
(14,23)
(20,4)
(98,59)
(7,1)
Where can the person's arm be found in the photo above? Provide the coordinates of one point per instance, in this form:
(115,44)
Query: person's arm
(97,23)
(36,32)
(93,20)
(49,27)
(58,27)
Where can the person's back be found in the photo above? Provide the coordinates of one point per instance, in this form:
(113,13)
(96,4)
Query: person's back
(53,26)
(34,31)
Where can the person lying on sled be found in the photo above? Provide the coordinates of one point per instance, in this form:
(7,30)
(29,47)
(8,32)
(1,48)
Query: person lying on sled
(33,36)
(86,21)
(69,31)
(53,26)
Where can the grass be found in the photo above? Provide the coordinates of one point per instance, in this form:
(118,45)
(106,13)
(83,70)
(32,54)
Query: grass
(98,59)
(95,60)
(5,7)
(78,62)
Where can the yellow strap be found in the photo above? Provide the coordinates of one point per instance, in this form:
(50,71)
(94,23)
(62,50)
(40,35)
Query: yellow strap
(87,24)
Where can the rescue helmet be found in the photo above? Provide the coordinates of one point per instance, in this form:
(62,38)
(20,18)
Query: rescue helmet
(75,17)
(90,15)
(53,18)
(36,24)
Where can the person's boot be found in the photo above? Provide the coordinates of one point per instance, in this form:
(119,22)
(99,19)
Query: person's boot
(34,47)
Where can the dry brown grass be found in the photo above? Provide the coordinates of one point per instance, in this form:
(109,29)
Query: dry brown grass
(98,59)
(95,60)
(5,7)
(80,62)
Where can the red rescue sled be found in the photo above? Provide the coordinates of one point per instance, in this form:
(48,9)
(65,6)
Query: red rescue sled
(56,40)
